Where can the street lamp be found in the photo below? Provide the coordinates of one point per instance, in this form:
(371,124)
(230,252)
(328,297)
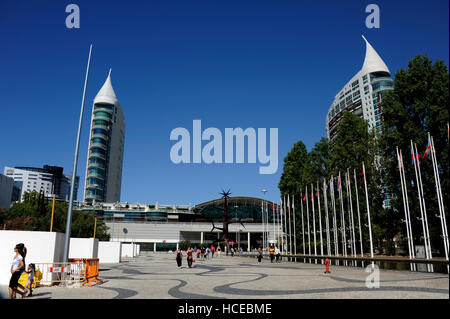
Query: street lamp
(263,219)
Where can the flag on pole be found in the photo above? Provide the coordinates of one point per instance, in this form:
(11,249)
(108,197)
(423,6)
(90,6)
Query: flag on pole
(427,151)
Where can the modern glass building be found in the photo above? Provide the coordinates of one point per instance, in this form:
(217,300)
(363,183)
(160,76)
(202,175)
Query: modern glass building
(106,145)
(154,225)
(362,94)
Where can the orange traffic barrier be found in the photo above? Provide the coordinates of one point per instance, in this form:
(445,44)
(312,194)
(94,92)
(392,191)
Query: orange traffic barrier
(91,268)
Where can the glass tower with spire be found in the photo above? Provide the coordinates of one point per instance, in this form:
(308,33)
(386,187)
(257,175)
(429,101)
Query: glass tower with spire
(106,145)
(362,94)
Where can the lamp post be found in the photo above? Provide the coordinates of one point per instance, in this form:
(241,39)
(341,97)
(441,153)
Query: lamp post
(263,219)
(74,171)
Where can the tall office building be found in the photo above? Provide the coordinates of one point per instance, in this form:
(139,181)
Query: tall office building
(49,179)
(106,144)
(362,94)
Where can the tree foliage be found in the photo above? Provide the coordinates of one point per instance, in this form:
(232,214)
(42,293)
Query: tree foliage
(418,104)
(34,214)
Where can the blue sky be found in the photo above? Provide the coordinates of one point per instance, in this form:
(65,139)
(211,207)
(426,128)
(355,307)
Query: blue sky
(233,63)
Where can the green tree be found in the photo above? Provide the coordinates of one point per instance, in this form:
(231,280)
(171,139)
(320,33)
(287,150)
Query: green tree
(34,213)
(418,104)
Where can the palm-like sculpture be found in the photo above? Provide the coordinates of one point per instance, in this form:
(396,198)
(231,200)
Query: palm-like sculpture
(226,221)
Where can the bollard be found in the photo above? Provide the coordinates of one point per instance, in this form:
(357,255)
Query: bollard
(327,266)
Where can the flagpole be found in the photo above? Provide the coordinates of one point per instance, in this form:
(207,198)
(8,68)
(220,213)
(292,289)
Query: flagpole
(327,222)
(359,215)
(290,230)
(343,232)
(281,224)
(424,207)
(293,216)
(368,214)
(335,226)
(351,213)
(409,213)
(307,220)
(405,206)
(439,195)
(421,206)
(320,222)
(303,225)
(285,226)
(314,222)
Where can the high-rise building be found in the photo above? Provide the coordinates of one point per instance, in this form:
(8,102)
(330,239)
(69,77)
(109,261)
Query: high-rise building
(106,145)
(50,179)
(362,94)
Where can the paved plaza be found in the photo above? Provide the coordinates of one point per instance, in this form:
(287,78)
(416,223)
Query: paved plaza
(156,276)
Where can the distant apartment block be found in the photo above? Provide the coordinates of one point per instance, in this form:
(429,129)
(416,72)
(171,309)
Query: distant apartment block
(49,179)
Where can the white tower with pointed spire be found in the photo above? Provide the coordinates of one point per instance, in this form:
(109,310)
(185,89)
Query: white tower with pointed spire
(106,146)
(362,94)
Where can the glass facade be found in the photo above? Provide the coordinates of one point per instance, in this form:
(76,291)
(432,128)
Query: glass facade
(99,152)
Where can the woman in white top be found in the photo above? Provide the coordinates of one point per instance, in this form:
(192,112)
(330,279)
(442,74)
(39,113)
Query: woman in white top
(17,268)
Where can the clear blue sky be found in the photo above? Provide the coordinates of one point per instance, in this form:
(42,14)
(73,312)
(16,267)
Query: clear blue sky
(233,63)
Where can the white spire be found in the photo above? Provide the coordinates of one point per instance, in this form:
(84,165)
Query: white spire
(372,61)
(106,93)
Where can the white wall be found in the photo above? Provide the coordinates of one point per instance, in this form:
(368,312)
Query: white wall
(83,248)
(109,252)
(128,250)
(42,247)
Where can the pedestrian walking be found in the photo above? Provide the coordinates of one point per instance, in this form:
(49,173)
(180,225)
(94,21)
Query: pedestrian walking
(189,257)
(179,257)
(28,287)
(271,253)
(212,251)
(17,268)
(259,255)
(277,254)
(232,251)
(202,253)
(207,252)
(218,251)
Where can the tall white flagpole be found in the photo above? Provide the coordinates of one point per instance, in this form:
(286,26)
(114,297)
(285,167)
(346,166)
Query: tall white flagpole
(303,225)
(343,231)
(320,221)
(351,214)
(285,225)
(273,224)
(307,221)
(439,196)
(314,222)
(75,163)
(290,232)
(406,206)
(424,206)
(421,205)
(293,215)
(368,214)
(359,215)
(335,225)
(281,226)
(327,223)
